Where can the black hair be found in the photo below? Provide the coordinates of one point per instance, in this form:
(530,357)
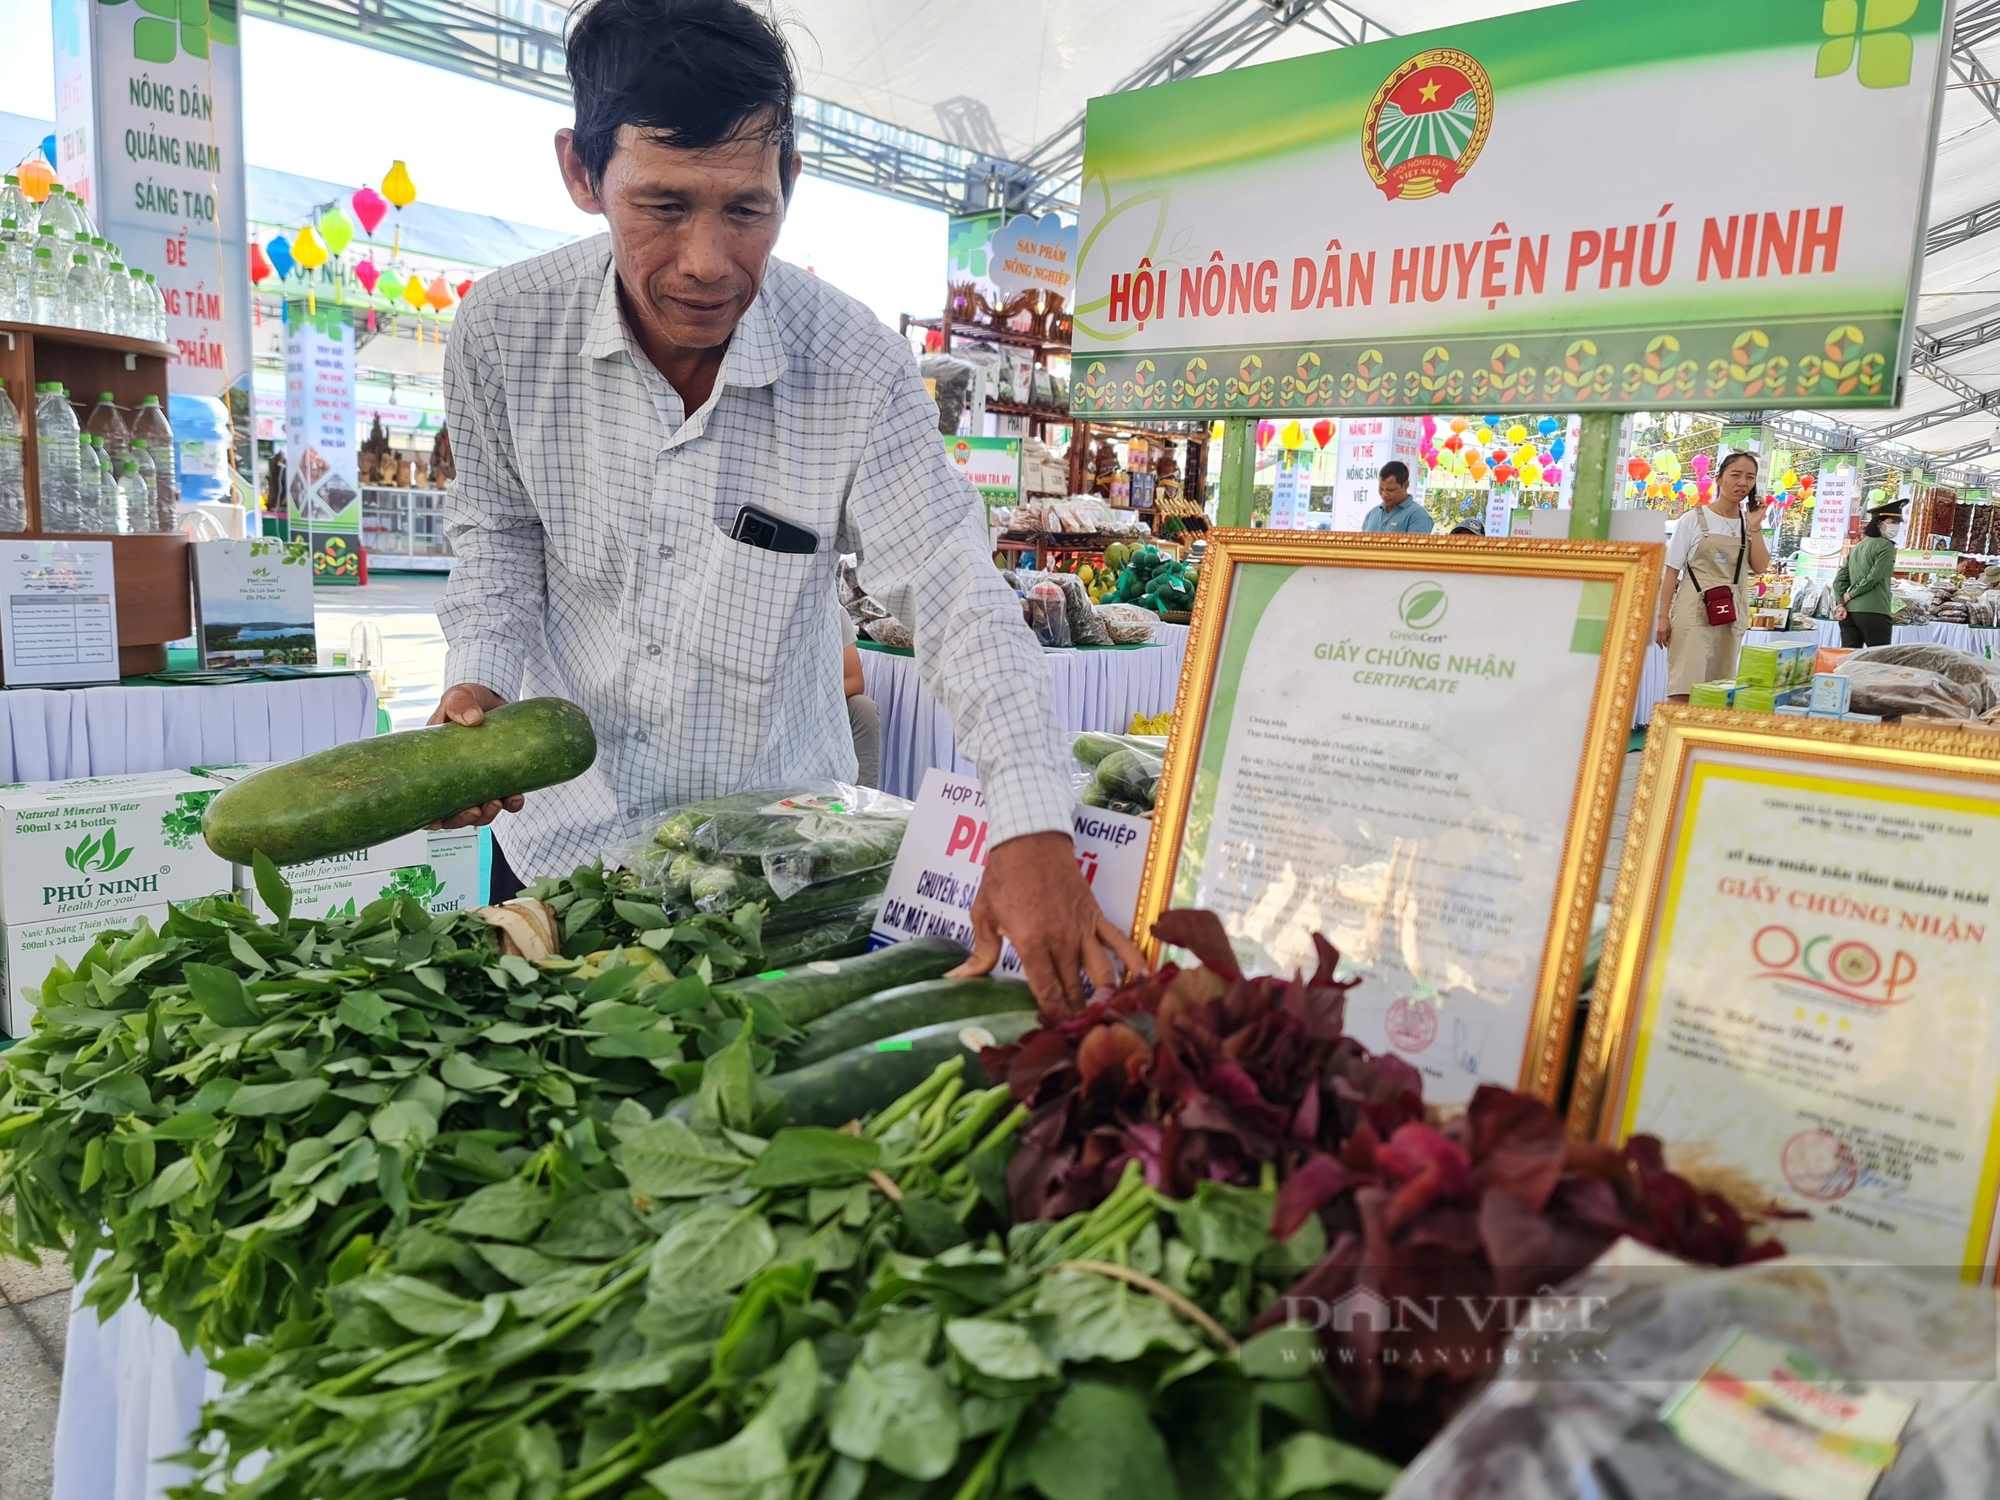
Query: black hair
(1746,457)
(1397,470)
(688,73)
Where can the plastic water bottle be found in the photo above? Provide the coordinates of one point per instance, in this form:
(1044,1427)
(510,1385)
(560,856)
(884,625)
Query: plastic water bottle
(17,262)
(117,299)
(150,426)
(48,289)
(149,478)
(135,504)
(156,307)
(84,222)
(107,424)
(56,441)
(110,469)
(59,213)
(17,205)
(86,294)
(13,477)
(89,485)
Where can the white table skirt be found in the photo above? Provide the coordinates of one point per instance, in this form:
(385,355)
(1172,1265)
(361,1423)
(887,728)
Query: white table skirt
(1653,684)
(130,1397)
(53,734)
(1093,690)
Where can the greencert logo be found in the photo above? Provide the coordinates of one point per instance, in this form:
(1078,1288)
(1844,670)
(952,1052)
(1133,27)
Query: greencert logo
(1423,605)
(99,856)
(1867,28)
(171,27)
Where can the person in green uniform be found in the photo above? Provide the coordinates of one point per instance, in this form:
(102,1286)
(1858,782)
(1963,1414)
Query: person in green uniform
(1861,596)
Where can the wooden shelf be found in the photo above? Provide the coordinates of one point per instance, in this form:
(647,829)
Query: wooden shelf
(1055,414)
(154,605)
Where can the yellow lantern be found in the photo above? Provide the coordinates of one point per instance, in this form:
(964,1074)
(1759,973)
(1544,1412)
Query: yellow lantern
(1790,480)
(1215,432)
(1517,434)
(1293,436)
(416,293)
(398,188)
(308,250)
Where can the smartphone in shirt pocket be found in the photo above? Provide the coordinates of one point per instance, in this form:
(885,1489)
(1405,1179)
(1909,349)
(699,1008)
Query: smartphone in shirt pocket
(759,528)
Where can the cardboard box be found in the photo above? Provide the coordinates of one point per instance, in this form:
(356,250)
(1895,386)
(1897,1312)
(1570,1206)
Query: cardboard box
(1713,694)
(1764,700)
(396,854)
(1831,694)
(104,844)
(350,892)
(1776,666)
(29,950)
(454,859)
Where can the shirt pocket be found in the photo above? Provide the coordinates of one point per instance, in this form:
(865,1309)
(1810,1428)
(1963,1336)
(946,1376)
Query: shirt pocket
(748,612)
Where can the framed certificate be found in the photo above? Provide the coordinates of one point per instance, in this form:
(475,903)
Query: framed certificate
(1411,745)
(1800,990)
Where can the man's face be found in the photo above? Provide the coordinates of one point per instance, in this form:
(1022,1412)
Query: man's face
(1394,491)
(691,230)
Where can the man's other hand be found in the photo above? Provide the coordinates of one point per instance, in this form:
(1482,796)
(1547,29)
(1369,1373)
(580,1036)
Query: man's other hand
(468,704)
(1034,895)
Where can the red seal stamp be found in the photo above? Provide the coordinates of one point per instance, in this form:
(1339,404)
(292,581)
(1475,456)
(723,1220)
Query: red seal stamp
(1819,1165)
(1412,1025)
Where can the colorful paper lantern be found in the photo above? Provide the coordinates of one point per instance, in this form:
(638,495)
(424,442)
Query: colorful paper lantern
(367,273)
(1459,424)
(1531,473)
(260,263)
(1547,425)
(391,285)
(1521,456)
(438,294)
(1553,475)
(1557,448)
(336,229)
(307,249)
(1517,434)
(1292,436)
(398,188)
(1265,432)
(1323,433)
(1638,468)
(1789,480)
(280,250)
(1483,437)
(464,287)
(370,207)
(415,293)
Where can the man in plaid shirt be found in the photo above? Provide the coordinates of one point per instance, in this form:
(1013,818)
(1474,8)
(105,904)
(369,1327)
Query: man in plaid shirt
(614,405)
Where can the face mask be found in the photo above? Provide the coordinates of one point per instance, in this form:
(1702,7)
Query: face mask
(1891,532)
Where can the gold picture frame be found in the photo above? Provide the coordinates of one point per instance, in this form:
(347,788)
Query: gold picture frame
(1622,581)
(1676,741)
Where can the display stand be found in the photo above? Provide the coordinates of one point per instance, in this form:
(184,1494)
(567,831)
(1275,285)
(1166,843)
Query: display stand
(403,529)
(154,605)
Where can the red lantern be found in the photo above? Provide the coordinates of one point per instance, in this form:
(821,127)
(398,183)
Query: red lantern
(464,287)
(1323,433)
(260,263)
(1455,443)
(1638,468)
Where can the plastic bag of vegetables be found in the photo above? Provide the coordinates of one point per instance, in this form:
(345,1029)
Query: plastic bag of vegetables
(1124,770)
(772,844)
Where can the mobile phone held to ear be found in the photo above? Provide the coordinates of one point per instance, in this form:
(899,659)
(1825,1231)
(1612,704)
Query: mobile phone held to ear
(759,528)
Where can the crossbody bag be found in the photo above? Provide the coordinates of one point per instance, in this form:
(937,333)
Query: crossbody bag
(1719,603)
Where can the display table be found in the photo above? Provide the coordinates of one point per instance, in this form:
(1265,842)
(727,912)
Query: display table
(54,734)
(1653,684)
(1094,689)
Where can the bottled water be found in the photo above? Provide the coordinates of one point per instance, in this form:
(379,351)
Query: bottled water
(48,289)
(81,210)
(17,205)
(108,472)
(89,485)
(86,294)
(150,426)
(59,214)
(135,505)
(156,304)
(13,478)
(107,424)
(16,274)
(149,480)
(118,299)
(56,441)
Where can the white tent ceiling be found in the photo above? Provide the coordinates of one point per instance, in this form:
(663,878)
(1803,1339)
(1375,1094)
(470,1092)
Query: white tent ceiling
(1004,80)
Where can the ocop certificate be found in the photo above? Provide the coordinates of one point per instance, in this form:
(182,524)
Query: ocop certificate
(1819,1023)
(1391,758)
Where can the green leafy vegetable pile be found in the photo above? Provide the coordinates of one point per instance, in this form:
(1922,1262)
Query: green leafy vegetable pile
(704,1314)
(231,1111)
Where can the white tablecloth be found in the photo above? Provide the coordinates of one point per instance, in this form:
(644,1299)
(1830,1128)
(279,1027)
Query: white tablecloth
(130,1397)
(1093,690)
(52,734)
(1653,684)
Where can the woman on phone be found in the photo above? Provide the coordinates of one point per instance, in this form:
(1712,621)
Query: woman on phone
(1704,606)
(1861,597)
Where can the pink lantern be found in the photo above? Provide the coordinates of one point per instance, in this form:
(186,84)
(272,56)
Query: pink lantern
(369,207)
(1701,465)
(367,273)
(1552,473)
(1265,432)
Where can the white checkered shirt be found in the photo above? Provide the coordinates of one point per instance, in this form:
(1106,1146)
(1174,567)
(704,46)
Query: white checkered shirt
(591,517)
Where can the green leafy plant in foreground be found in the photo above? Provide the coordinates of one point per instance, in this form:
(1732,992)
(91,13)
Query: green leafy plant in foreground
(703,1314)
(230,1112)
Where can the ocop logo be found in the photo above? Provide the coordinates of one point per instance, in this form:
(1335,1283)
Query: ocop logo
(1423,605)
(1846,968)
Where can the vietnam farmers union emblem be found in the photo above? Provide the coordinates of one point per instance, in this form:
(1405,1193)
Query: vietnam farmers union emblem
(1427,124)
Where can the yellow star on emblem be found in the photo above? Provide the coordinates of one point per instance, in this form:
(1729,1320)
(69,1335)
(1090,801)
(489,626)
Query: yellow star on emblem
(1429,92)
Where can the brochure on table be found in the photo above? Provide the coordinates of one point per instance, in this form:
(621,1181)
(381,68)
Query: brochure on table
(61,621)
(1801,982)
(1410,746)
(943,858)
(253,603)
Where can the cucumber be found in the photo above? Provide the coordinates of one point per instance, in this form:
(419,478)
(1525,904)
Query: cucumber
(903,1009)
(808,993)
(368,791)
(853,1084)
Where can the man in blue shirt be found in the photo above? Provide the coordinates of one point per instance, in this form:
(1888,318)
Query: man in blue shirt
(1397,512)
